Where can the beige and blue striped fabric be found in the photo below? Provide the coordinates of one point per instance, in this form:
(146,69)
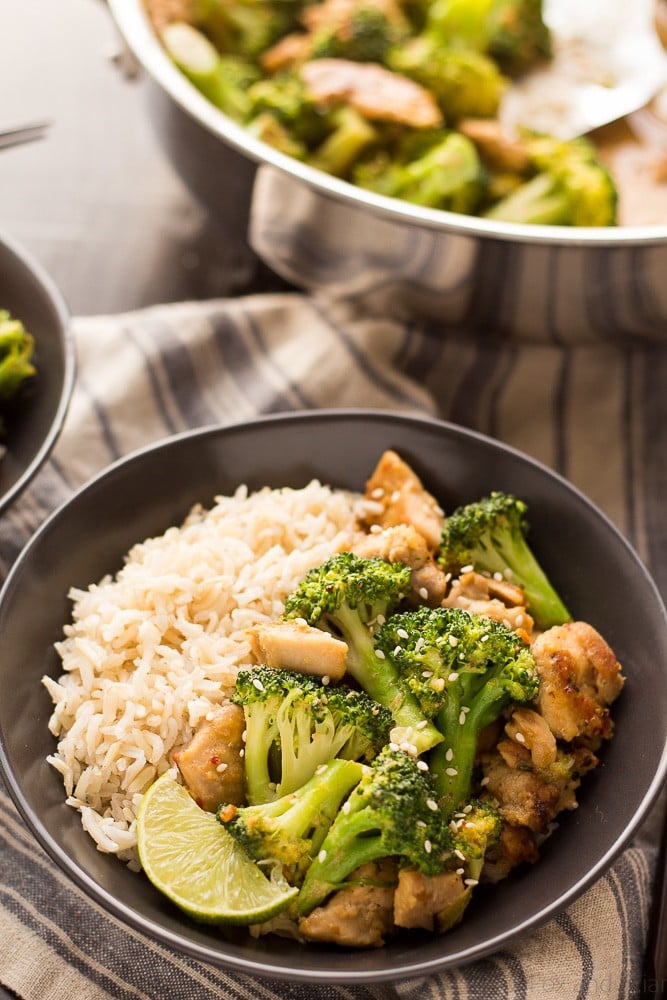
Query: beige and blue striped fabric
(594,410)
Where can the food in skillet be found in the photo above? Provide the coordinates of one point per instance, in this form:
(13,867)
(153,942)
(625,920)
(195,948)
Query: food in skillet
(400,97)
(329,715)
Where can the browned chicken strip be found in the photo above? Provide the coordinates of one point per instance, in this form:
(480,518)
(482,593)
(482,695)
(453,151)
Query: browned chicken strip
(211,764)
(530,729)
(516,845)
(403,543)
(496,146)
(398,497)
(375,92)
(432,903)
(357,917)
(497,599)
(295,645)
(579,678)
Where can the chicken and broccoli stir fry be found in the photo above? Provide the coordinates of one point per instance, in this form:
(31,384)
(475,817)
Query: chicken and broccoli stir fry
(400,97)
(414,723)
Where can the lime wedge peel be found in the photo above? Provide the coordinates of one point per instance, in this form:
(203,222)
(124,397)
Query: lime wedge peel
(198,865)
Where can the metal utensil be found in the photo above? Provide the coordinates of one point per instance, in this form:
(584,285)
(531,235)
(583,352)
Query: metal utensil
(607,62)
(13,135)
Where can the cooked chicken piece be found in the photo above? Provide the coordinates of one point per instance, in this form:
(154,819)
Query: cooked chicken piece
(212,763)
(375,92)
(359,916)
(579,678)
(164,12)
(496,146)
(403,543)
(287,52)
(531,796)
(433,903)
(397,496)
(531,730)
(497,599)
(334,14)
(516,845)
(295,645)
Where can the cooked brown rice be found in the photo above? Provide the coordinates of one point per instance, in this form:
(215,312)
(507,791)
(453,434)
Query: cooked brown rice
(149,651)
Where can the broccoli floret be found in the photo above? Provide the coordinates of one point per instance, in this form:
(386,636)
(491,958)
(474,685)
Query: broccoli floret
(350,137)
(493,668)
(352,597)
(224,80)
(438,171)
(16,352)
(291,829)
(465,83)
(295,723)
(365,36)
(245,27)
(474,831)
(512,32)
(286,99)
(491,535)
(391,813)
(569,187)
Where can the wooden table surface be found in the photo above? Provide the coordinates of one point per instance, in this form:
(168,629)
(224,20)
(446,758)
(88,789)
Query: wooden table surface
(96,200)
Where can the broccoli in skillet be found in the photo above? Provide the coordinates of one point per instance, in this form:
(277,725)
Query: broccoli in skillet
(291,829)
(295,723)
(391,813)
(352,597)
(491,535)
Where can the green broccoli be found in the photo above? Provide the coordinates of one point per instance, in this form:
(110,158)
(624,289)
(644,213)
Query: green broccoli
(464,669)
(350,137)
(352,597)
(295,723)
(366,35)
(569,186)
(391,813)
(224,80)
(292,828)
(512,32)
(476,828)
(438,170)
(285,98)
(246,27)
(491,535)
(16,352)
(465,83)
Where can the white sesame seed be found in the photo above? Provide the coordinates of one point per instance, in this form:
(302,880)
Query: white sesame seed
(467,809)
(210,716)
(375,529)
(241,753)
(451,771)
(484,782)
(322,857)
(380,655)
(377,493)
(518,621)
(462,718)
(453,676)
(420,643)
(453,641)
(432,805)
(497,576)
(450,754)
(394,746)
(257,684)
(396,496)
(459,854)
(465,709)
(421,824)
(423,593)
(402,633)
(326,680)
(519,737)
(470,881)
(346,807)
(422,765)
(460,871)
(222,767)
(467,569)
(421,725)
(484,638)
(397,650)
(428,846)
(448,577)
(244,736)
(427,673)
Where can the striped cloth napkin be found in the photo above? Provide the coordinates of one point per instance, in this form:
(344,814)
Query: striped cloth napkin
(593,410)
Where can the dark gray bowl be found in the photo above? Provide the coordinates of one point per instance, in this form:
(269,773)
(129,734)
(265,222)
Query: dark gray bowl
(598,574)
(34,419)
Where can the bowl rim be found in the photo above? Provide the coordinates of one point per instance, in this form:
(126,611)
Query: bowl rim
(133,23)
(31,264)
(262,965)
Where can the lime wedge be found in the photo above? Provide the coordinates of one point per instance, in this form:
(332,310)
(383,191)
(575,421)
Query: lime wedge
(194,861)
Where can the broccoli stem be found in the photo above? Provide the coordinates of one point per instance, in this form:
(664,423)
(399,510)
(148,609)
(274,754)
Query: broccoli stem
(342,147)
(380,678)
(537,202)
